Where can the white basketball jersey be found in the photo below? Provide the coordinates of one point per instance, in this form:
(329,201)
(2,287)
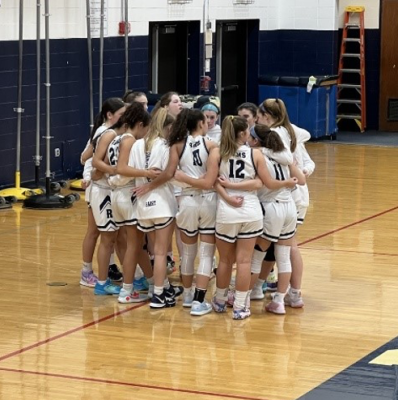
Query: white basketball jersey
(193,159)
(103,182)
(113,157)
(238,168)
(279,172)
(161,202)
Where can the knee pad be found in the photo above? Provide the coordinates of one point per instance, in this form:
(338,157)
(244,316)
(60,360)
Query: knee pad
(206,254)
(270,256)
(188,258)
(257,261)
(282,255)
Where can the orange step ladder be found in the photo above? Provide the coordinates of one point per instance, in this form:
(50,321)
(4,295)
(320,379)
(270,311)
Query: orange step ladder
(351,96)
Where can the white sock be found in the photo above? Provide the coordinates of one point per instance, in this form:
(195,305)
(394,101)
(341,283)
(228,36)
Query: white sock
(112,259)
(279,297)
(259,283)
(128,287)
(240,299)
(87,267)
(102,283)
(187,289)
(158,290)
(222,294)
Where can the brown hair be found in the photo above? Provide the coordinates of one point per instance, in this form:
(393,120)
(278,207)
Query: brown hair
(164,101)
(277,110)
(231,127)
(267,138)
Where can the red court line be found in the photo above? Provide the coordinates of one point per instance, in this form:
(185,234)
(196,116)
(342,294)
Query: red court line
(348,226)
(351,251)
(137,385)
(79,328)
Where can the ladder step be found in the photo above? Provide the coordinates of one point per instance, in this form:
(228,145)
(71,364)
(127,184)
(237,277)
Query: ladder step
(348,85)
(352,40)
(348,101)
(351,55)
(352,26)
(348,116)
(350,70)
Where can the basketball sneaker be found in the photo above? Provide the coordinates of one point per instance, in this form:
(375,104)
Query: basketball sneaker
(257,293)
(114,273)
(107,288)
(276,308)
(126,297)
(174,291)
(241,313)
(162,301)
(294,301)
(171,265)
(141,284)
(198,308)
(272,281)
(88,279)
(218,306)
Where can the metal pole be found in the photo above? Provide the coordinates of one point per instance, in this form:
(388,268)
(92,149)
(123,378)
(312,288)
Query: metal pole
(19,109)
(101,66)
(90,62)
(37,157)
(48,86)
(126,43)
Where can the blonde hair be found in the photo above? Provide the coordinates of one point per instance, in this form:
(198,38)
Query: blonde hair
(159,121)
(231,127)
(277,109)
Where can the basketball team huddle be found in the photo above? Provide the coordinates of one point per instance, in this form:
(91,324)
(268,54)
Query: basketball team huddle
(238,189)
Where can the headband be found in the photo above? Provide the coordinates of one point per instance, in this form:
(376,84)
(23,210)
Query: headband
(253,133)
(210,107)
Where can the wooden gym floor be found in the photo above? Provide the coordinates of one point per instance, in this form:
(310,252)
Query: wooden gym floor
(65,343)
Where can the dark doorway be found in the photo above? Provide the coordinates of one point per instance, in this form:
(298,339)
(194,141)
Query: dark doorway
(388,117)
(174,66)
(237,63)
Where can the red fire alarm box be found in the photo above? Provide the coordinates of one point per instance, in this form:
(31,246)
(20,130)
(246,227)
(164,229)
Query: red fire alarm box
(122,26)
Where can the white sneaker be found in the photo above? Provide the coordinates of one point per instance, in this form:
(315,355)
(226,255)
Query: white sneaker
(187,298)
(276,308)
(294,301)
(126,297)
(200,308)
(257,293)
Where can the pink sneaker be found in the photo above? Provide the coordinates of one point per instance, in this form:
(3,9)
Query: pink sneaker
(241,313)
(294,301)
(218,306)
(276,308)
(88,279)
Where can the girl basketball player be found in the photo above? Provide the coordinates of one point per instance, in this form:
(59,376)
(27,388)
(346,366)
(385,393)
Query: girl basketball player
(157,208)
(195,156)
(132,125)
(111,111)
(273,113)
(237,229)
(280,215)
(212,112)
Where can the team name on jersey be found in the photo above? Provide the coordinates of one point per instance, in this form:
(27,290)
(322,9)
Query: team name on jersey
(195,144)
(240,154)
(150,203)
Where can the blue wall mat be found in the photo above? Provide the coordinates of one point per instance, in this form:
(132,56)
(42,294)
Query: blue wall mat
(69,99)
(307,110)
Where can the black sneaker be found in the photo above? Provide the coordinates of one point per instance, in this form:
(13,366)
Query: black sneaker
(162,301)
(114,273)
(174,291)
(171,265)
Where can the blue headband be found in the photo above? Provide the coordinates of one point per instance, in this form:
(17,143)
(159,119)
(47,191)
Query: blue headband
(253,133)
(210,107)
